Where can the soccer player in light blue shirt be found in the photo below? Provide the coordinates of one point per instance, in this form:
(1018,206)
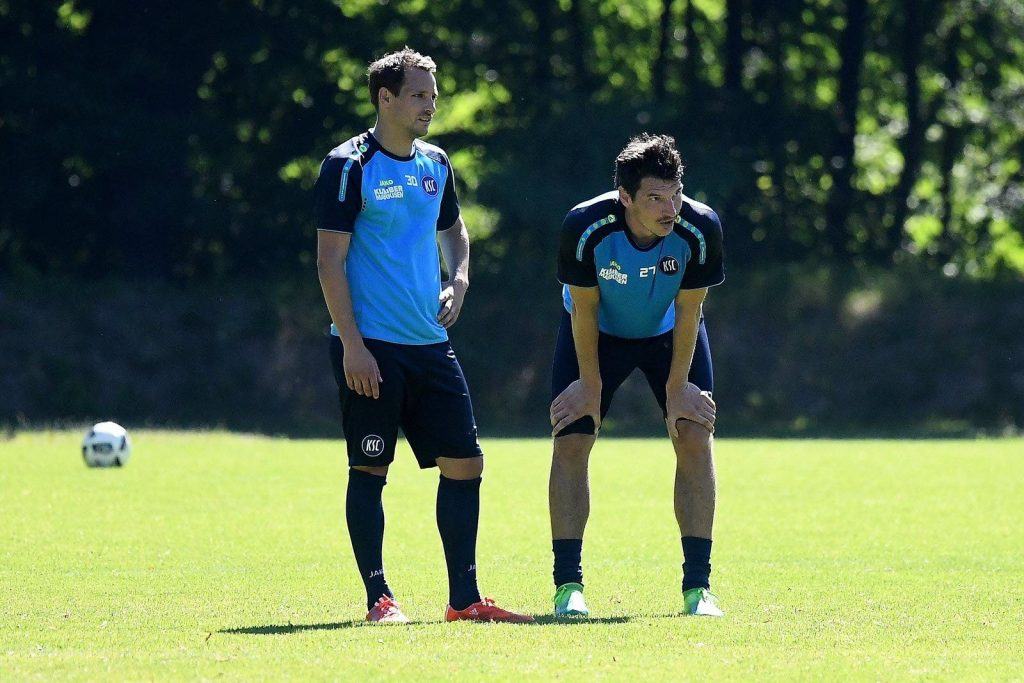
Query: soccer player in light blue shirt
(636,264)
(384,201)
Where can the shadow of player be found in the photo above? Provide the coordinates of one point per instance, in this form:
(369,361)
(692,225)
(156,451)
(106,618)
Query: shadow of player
(277,629)
(282,629)
(551,620)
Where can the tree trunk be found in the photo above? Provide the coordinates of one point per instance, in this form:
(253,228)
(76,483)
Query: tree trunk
(659,71)
(579,44)
(952,146)
(691,44)
(912,143)
(777,241)
(544,47)
(734,46)
(851,50)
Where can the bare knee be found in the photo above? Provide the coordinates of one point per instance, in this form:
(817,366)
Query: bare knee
(461,468)
(376,471)
(693,438)
(573,450)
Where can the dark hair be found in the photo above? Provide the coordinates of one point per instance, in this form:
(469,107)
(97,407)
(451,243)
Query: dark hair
(389,71)
(644,156)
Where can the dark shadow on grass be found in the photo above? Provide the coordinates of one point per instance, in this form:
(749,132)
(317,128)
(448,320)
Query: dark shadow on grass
(283,629)
(277,629)
(549,619)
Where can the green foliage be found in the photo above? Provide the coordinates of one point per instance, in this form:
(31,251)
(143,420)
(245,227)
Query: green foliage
(179,141)
(129,153)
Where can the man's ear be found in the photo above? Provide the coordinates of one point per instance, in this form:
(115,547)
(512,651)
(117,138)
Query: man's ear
(624,197)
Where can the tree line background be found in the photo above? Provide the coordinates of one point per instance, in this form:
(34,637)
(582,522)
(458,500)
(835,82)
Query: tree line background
(157,249)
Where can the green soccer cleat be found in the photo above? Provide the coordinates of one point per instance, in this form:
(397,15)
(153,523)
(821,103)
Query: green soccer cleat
(569,601)
(700,602)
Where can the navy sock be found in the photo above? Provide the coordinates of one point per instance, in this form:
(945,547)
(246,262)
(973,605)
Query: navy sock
(696,562)
(568,560)
(458,516)
(364,513)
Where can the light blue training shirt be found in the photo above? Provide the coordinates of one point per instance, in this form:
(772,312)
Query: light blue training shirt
(393,207)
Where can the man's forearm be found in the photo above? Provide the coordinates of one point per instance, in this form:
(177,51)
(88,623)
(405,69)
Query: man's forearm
(684,339)
(334,283)
(585,336)
(455,249)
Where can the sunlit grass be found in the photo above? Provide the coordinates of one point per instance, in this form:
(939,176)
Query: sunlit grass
(218,555)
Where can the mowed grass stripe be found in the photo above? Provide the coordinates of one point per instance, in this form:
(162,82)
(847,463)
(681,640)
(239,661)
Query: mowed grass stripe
(220,555)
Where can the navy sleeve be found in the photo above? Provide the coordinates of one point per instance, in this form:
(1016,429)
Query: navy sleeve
(706,267)
(449,201)
(576,259)
(337,194)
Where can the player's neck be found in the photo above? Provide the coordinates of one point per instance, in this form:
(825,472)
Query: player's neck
(641,237)
(392,140)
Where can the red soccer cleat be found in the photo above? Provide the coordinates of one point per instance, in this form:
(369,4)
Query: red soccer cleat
(486,610)
(386,611)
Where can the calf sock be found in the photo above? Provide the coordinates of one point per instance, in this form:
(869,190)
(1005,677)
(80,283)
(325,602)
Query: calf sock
(568,560)
(364,513)
(458,516)
(696,562)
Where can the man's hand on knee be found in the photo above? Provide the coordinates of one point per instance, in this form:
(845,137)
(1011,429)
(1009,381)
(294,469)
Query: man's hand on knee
(688,402)
(577,400)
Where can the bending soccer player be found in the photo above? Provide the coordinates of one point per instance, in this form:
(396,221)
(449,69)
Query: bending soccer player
(384,199)
(635,265)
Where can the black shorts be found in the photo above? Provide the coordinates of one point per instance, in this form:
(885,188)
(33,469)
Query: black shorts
(617,358)
(424,392)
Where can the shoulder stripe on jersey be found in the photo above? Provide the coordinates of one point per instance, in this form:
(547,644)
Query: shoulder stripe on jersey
(344,178)
(589,231)
(696,233)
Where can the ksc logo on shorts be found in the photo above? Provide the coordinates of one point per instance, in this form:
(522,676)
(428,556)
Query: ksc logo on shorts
(430,186)
(373,445)
(669,265)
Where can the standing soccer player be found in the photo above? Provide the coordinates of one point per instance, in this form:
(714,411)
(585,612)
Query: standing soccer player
(635,265)
(384,199)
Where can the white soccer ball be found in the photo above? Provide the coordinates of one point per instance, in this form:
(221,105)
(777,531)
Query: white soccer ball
(106,445)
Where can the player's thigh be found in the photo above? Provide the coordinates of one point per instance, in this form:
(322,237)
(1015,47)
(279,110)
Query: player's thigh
(657,362)
(437,416)
(614,361)
(370,424)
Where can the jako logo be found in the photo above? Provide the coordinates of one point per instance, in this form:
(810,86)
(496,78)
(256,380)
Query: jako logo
(430,186)
(373,445)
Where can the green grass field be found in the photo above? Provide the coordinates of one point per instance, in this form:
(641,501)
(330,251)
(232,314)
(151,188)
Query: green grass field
(214,555)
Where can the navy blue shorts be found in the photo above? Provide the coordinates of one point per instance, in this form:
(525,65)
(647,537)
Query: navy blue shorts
(424,392)
(618,358)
